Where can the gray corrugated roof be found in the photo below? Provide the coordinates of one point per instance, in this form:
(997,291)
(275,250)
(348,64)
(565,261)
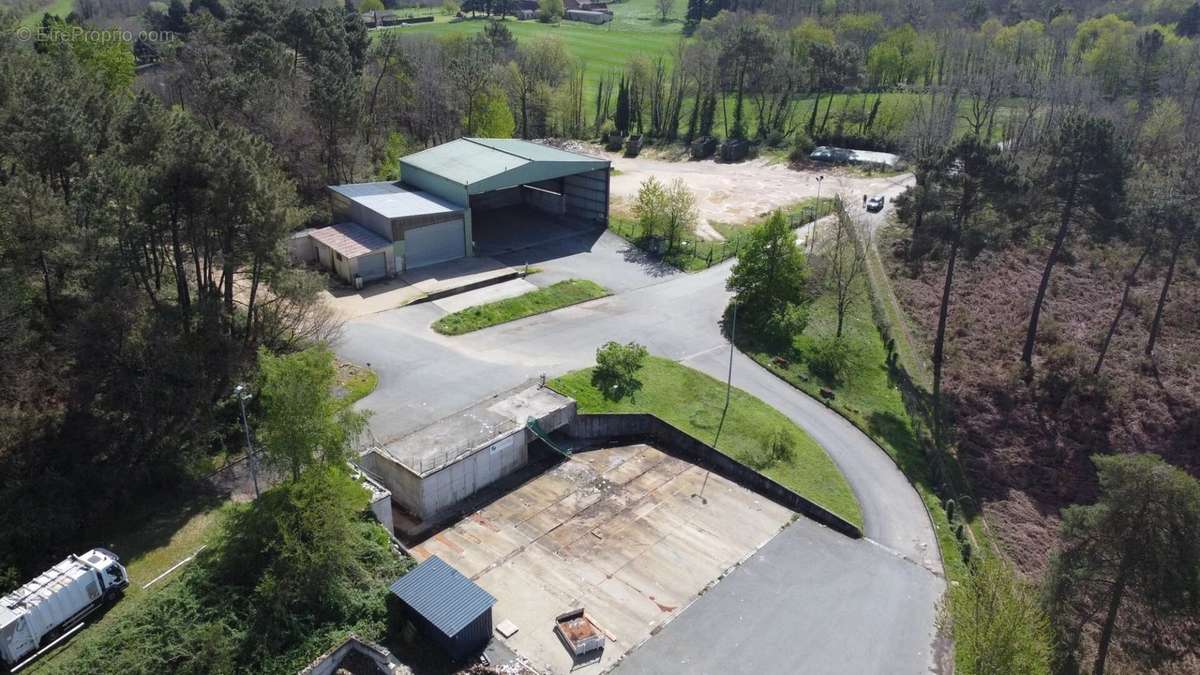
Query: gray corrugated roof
(391,200)
(470,160)
(442,595)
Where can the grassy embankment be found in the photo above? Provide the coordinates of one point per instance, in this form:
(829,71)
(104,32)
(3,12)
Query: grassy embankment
(693,254)
(149,544)
(548,299)
(692,401)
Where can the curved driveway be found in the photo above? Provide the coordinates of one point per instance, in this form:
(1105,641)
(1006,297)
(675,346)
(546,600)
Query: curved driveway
(849,606)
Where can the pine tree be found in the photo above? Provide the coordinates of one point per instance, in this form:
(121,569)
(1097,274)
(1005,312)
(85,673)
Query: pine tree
(1189,23)
(621,118)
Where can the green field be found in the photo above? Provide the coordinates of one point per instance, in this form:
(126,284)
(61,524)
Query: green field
(57,7)
(634,31)
(692,401)
(548,299)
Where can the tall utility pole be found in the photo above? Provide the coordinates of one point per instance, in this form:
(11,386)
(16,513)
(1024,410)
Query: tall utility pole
(812,230)
(728,389)
(243,393)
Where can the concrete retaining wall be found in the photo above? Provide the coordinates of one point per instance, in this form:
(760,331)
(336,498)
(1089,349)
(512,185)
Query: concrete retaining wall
(443,489)
(641,426)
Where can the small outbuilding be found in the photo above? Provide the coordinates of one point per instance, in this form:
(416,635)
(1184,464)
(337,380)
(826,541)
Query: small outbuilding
(448,607)
(353,252)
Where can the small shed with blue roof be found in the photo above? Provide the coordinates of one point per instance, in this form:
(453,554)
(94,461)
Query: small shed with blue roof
(448,607)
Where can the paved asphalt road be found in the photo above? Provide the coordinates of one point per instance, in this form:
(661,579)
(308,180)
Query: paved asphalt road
(810,601)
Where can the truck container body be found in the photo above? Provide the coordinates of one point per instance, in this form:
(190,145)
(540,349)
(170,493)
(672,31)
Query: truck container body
(36,613)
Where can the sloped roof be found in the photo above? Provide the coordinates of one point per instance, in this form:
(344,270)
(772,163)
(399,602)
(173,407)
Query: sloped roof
(350,239)
(442,595)
(392,200)
(470,160)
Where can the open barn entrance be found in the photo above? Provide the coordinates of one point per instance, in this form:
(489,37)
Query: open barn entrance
(523,216)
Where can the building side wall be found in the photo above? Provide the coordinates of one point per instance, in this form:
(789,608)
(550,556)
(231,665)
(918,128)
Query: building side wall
(444,489)
(544,200)
(474,636)
(433,183)
(497,199)
(404,485)
(587,196)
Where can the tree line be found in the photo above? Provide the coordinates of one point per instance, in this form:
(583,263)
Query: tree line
(137,242)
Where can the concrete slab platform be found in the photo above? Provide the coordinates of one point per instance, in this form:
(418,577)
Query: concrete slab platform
(378,296)
(616,531)
(460,273)
(482,296)
(414,285)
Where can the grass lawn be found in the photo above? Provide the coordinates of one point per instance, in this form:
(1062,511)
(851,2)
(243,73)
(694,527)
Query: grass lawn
(550,298)
(147,547)
(56,7)
(603,48)
(692,401)
(868,397)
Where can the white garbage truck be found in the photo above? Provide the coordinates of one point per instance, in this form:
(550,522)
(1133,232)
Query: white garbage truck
(37,613)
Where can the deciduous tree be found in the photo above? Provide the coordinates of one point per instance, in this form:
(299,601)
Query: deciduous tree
(617,365)
(770,273)
(303,423)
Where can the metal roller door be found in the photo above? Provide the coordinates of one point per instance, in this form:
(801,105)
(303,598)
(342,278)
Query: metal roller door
(433,244)
(372,266)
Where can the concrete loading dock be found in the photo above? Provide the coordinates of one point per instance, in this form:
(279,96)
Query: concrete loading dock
(616,531)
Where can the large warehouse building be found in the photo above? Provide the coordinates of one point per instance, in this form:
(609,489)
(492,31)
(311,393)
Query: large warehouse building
(450,199)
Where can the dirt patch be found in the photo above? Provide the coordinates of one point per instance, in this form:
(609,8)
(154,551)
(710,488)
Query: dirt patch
(738,193)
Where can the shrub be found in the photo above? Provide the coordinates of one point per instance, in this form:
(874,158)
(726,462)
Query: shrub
(999,625)
(782,326)
(829,358)
(802,147)
(778,446)
(616,370)
(552,11)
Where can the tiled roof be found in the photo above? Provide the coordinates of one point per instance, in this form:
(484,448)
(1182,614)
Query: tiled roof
(350,239)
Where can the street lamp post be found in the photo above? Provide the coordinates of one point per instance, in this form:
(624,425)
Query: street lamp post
(812,231)
(243,393)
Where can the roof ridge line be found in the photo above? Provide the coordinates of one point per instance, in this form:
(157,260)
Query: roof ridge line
(507,152)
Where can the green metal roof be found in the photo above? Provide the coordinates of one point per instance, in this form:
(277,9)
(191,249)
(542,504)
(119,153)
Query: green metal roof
(489,163)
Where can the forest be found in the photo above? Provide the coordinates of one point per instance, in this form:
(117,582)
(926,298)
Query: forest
(1047,256)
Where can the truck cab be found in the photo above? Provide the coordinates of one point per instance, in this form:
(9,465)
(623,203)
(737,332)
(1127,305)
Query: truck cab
(112,572)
